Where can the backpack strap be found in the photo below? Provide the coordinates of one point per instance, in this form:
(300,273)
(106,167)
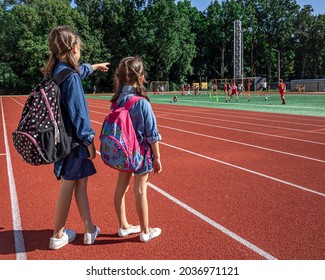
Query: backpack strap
(63,75)
(132,100)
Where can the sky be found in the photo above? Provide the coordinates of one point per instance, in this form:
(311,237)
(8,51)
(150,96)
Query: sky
(318,5)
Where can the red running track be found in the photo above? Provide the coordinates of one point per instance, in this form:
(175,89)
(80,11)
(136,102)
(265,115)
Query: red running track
(235,185)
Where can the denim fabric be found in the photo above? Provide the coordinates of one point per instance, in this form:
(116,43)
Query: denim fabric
(143,118)
(144,123)
(77,124)
(76,165)
(75,109)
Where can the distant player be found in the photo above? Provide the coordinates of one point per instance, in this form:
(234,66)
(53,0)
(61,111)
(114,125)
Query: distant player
(228,91)
(240,88)
(188,89)
(282,90)
(215,88)
(225,88)
(264,89)
(234,91)
(174,100)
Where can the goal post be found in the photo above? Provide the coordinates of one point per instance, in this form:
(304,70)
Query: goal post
(249,83)
(159,87)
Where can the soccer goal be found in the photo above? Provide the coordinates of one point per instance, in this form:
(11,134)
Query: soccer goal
(159,87)
(245,85)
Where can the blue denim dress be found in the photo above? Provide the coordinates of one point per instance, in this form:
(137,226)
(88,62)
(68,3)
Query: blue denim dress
(77,124)
(145,125)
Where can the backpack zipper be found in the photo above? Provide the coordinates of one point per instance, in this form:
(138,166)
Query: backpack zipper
(53,121)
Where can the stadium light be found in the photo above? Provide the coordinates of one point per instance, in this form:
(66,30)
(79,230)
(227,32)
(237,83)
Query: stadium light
(279,67)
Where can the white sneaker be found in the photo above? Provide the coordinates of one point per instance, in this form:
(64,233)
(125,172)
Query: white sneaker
(125,232)
(67,237)
(89,238)
(154,232)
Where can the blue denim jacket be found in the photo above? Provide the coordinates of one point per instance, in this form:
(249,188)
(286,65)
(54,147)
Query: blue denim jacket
(143,118)
(75,112)
(76,121)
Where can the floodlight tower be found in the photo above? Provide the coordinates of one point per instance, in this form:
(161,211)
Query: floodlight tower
(238,51)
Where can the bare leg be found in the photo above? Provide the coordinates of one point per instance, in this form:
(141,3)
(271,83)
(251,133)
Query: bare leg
(62,206)
(140,192)
(82,202)
(119,198)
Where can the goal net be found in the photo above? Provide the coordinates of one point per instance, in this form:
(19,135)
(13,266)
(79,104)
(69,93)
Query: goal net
(159,87)
(246,84)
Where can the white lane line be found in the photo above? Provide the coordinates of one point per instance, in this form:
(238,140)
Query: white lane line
(229,128)
(245,123)
(2,154)
(16,221)
(243,130)
(215,224)
(246,170)
(247,115)
(17,102)
(241,168)
(242,143)
(236,142)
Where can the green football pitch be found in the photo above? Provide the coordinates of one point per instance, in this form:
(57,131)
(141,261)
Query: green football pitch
(298,104)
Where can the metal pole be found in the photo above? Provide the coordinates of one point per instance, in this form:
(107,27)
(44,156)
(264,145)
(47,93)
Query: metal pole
(235,51)
(279,66)
(242,55)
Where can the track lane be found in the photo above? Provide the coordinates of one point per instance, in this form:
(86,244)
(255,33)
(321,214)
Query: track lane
(37,227)
(188,169)
(7,248)
(251,116)
(225,249)
(281,166)
(261,211)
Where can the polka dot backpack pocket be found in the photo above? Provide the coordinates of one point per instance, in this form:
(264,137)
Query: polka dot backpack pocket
(41,137)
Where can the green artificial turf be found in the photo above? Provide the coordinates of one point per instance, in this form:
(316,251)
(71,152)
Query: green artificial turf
(298,104)
(303,104)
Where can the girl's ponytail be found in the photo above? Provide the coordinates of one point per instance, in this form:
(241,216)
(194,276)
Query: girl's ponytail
(129,72)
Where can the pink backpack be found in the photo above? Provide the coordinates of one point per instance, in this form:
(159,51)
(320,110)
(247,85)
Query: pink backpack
(119,147)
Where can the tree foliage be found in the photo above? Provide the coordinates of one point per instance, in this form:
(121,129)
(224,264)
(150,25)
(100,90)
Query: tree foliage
(177,42)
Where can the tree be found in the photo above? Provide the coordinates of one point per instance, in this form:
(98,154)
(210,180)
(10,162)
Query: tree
(316,47)
(276,26)
(303,25)
(28,24)
(177,42)
(186,49)
(171,37)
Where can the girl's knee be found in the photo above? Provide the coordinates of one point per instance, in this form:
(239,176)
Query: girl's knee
(140,183)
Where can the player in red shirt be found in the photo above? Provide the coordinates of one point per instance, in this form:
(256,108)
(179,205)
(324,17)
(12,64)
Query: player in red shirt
(234,91)
(228,91)
(282,90)
(188,89)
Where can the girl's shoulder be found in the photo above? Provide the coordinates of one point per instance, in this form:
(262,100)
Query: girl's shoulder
(141,105)
(144,106)
(73,77)
(144,102)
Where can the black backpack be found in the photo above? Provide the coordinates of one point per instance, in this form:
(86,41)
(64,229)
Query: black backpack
(41,137)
